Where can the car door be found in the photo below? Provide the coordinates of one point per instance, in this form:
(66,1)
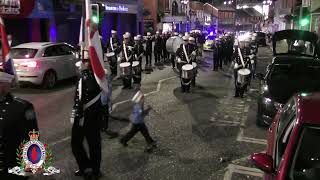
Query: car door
(51,60)
(69,56)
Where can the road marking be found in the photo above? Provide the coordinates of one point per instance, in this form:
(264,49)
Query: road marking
(232,168)
(119,103)
(60,141)
(241,137)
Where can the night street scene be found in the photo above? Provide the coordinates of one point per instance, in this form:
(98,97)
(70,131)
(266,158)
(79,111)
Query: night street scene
(159,89)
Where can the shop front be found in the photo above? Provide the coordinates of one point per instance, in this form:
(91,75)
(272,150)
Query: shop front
(122,16)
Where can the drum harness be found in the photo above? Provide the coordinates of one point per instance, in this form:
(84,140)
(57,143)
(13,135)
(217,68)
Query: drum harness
(241,58)
(126,55)
(185,53)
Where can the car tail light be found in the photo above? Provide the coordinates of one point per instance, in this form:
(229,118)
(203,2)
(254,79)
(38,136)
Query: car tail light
(31,64)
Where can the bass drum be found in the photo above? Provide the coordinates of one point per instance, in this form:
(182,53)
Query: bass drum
(173,43)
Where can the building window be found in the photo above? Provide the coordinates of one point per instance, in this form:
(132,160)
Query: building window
(166,5)
(174,10)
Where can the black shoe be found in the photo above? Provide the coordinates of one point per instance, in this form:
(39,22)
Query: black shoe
(124,144)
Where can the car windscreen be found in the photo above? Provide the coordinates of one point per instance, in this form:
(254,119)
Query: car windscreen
(23,53)
(306,161)
(295,47)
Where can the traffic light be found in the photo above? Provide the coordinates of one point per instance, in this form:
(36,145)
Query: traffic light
(95,13)
(304,21)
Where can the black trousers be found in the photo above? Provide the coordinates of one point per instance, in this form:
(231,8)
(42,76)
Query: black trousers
(157,56)
(148,59)
(215,61)
(105,117)
(127,82)
(173,63)
(91,131)
(135,128)
(137,78)
(185,85)
(221,57)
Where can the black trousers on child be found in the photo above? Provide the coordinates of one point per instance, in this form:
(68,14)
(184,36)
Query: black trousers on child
(135,128)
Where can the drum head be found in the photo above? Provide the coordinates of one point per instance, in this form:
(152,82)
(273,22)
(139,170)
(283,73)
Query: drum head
(110,54)
(244,71)
(194,64)
(125,64)
(187,67)
(135,63)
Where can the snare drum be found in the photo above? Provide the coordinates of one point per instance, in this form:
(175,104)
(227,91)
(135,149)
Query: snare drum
(136,67)
(243,76)
(125,69)
(187,71)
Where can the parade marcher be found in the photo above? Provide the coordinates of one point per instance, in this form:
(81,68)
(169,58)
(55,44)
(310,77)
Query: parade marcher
(183,58)
(131,41)
(192,50)
(173,56)
(220,52)
(157,48)
(137,122)
(164,49)
(148,52)
(138,53)
(112,45)
(215,56)
(86,119)
(17,119)
(127,56)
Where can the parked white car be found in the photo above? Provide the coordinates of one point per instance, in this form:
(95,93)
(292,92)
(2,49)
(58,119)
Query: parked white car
(44,63)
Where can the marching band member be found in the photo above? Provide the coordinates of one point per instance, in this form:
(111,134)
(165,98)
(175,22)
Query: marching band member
(192,50)
(127,56)
(86,118)
(173,56)
(138,53)
(183,59)
(148,52)
(157,49)
(112,45)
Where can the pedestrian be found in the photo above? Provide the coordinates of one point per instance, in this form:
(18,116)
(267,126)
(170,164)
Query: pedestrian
(112,45)
(137,122)
(215,56)
(157,49)
(164,49)
(127,56)
(86,118)
(138,53)
(107,107)
(148,66)
(17,119)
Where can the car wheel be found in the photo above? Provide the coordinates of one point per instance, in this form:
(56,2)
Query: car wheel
(49,80)
(259,118)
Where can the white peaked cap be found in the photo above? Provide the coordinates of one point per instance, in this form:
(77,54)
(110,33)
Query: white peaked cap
(191,39)
(157,32)
(136,38)
(185,38)
(113,31)
(126,36)
(137,97)
(175,33)
(139,36)
(5,77)
(148,33)
(127,33)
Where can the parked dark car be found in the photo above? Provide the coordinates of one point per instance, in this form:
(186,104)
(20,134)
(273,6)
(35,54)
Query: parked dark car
(293,69)
(261,38)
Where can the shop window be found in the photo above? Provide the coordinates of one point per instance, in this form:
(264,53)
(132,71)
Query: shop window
(174,8)
(166,5)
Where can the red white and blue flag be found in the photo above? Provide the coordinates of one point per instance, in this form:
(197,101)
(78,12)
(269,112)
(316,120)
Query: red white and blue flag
(7,64)
(95,50)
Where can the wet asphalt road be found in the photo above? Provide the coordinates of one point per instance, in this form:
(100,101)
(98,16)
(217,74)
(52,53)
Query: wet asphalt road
(207,134)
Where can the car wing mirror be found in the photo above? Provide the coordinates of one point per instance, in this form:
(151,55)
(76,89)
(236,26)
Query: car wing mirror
(263,161)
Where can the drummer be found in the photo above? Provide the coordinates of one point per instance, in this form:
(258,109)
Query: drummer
(192,50)
(183,59)
(112,45)
(138,54)
(127,56)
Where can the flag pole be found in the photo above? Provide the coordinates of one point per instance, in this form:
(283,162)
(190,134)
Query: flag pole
(83,33)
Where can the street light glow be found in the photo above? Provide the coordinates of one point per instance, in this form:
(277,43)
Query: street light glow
(224,2)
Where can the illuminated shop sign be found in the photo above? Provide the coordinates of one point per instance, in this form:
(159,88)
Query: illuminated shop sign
(16,8)
(119,8)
